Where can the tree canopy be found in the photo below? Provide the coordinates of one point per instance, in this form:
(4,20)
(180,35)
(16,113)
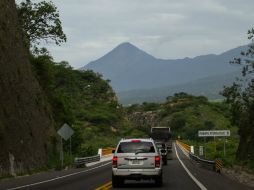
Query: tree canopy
(40,22)
(240,97)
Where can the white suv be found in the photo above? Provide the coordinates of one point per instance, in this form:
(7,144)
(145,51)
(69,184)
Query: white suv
(136,159)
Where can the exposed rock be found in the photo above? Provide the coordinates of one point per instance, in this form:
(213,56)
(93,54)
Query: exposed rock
(26,123)
(143,119)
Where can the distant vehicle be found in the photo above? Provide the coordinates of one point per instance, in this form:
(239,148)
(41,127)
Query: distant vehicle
(136,159)
(162,135)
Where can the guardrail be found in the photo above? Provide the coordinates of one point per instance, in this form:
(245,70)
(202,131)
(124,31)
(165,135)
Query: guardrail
(85,160)
(216,164)
(183,145)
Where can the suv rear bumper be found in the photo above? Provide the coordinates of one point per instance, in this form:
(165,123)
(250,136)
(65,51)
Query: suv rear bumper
(134,173)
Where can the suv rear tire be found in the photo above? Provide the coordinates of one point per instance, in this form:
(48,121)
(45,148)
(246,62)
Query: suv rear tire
(117,181)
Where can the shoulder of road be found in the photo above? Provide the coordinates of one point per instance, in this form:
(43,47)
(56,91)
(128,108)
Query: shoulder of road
(21,182)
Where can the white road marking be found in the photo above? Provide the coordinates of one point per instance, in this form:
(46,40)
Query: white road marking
(199,184)
(61,177)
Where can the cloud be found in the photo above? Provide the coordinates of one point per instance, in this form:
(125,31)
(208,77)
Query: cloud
(163,28)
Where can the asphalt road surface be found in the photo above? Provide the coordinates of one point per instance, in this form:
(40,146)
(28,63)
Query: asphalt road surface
(181,173)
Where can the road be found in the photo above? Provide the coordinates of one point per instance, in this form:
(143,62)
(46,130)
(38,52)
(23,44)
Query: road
(179,174)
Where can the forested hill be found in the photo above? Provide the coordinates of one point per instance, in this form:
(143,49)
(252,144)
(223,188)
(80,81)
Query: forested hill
(86,102)
(186,114)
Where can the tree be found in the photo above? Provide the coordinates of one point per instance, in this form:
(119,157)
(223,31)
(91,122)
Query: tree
(240,97)
(40,22)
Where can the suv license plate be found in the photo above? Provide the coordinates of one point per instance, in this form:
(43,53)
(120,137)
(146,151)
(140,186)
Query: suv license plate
(135,162)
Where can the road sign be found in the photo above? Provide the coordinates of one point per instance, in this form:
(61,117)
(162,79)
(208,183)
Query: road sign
(214,133)
(65,131)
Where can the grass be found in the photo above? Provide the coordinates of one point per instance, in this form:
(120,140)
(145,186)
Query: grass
(215,149)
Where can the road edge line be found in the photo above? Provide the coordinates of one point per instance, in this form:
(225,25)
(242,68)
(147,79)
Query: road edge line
(60,177)
(199,184)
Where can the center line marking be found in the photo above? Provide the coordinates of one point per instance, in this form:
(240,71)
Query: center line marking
(199,184)
(105,186)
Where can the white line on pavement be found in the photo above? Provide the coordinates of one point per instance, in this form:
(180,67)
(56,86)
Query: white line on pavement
(61,177)
(199,184)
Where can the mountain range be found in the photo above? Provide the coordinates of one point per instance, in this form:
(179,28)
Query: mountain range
(137,76)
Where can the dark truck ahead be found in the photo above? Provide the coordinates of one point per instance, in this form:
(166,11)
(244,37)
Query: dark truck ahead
(162,137)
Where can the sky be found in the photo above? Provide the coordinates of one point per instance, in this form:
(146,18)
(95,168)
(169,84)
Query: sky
(166,29)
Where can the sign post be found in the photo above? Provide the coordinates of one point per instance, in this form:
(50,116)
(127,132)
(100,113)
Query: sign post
(225,141)
(61,153)
(201,151)
(205,147)
(65,132)
(215,133)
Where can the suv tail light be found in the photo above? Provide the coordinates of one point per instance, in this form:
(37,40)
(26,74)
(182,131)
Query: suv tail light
(114,162)
(157,161)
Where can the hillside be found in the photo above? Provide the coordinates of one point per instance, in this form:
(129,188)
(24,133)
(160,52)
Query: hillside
(210,87)
(26,124)
(130,68)
(86,102)
(186,115)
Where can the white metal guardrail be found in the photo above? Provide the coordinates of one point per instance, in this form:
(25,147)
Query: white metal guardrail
(215,165)
(85,160)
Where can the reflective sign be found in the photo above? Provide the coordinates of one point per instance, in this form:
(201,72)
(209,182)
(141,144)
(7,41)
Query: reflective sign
(214,133)
(65,131)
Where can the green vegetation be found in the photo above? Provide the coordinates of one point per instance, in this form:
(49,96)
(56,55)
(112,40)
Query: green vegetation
(81,99)
(84,101)
(215,149)
(40,21)
(187,114)
(146,106)
(239,96)
(87,102)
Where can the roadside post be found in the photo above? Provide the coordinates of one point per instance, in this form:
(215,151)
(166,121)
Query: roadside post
(192,149)
(204,147)
(214,141)
(201,151)
(65,133)
(224,147)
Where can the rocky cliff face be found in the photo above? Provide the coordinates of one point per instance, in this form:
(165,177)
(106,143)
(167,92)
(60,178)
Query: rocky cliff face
(144,119)
(26,125)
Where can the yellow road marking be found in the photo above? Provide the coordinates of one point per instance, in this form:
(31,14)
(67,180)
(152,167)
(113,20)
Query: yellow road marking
(105,186)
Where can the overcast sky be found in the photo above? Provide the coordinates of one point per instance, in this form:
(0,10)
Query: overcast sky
(164,28)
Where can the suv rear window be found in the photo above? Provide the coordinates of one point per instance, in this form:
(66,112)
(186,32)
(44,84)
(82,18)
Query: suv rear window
(136,147)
